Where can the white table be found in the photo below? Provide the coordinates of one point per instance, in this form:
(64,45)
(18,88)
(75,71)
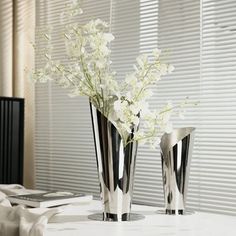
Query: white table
(74,222)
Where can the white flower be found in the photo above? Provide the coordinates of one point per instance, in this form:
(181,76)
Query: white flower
(135,68)
(142,60)
(170,68)
(100,22)
(135,120)
(108,37)
(138,135)
(104,50)
(163,69)
(145,112)
(128,96)
(169,128)
(127,128)
(155,76)
(135,108)
(131,79)
(147,93)
(119,105)
(100,64)
(156,53)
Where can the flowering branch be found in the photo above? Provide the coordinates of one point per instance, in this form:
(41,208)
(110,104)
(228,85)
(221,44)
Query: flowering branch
(89,73)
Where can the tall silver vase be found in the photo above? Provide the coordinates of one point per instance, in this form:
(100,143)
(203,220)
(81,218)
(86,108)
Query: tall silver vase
(176,152)
(116,166)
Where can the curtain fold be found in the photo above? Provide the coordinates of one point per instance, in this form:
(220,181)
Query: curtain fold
(17,23)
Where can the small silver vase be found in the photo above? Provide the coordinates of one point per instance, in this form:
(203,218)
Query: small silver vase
(176,152)
(116,166)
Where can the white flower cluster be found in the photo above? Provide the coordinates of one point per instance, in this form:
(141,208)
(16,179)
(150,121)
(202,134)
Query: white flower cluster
(90,74)
(132,106)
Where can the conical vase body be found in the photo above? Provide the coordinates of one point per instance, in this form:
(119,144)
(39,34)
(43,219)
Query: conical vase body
(176,152)
(116,167)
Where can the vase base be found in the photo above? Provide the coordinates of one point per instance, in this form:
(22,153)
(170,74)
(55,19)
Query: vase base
(175,212)
(115,218)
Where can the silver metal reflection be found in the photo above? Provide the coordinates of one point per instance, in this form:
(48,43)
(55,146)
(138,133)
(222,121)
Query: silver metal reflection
(176,152)
(116,166)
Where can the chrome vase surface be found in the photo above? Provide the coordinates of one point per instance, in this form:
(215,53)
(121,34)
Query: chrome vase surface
(116,166)
(176,152)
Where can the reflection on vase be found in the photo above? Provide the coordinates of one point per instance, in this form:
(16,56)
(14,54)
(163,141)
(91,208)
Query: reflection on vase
(116,166)
(176,152)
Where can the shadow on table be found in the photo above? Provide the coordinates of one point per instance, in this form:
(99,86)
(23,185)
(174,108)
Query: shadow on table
(68,218)
(82,218)
(145,213)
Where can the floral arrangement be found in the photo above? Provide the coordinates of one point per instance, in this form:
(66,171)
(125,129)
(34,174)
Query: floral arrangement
(89,74)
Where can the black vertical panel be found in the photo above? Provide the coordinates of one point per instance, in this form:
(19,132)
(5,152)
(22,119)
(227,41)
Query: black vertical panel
(11,140)
(15,140)
(5,134)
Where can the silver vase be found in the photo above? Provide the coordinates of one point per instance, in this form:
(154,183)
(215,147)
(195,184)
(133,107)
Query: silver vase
(116,166)
(176,152)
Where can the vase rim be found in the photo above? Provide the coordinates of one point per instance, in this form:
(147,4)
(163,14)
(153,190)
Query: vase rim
(168,140)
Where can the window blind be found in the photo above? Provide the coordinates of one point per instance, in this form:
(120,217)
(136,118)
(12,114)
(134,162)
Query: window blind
(199,40)
(217,153)
(176,27)
(65,154)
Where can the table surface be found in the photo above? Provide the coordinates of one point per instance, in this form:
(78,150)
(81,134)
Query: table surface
(74,221)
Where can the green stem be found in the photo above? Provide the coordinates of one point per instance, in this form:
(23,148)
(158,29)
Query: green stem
(88,78)
(145,84)
(71,81)
(144,137)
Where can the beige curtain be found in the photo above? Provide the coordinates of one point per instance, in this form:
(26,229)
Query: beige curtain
(17,19)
